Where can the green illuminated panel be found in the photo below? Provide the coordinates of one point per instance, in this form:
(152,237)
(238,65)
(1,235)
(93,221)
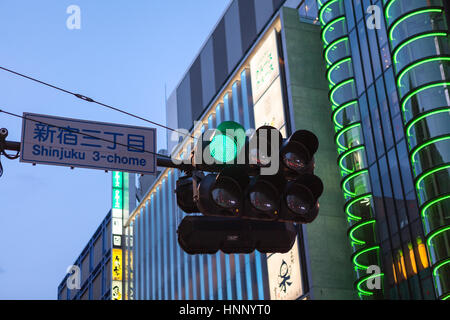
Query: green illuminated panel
(365,197)
(356,227)
(430,172)
(404,44)
(339,109)
(337,87)
(410,15)
(323,9)
(361,252)
(416,64)
(332,46)
(423,116)
(335,67)
(350,177)
(426,144)
(330,27)
(423,88)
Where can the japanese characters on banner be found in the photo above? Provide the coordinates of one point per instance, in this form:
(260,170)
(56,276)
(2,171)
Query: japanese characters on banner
(118,195)
(87,144)
(285,281)
(266,85)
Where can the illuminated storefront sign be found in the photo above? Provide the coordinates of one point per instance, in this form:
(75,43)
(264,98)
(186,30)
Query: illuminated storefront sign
(118,193)
(264,66)
(266,85)
(285,281)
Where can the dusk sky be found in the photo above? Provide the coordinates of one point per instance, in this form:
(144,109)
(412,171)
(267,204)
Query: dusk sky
(125,54)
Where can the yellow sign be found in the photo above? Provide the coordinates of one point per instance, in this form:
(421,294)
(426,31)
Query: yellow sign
(117,264)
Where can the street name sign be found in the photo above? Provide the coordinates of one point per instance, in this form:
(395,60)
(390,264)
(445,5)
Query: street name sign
(87,144)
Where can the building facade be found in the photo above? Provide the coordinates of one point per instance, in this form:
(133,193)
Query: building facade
(97,274)
(388,70)
(371,80)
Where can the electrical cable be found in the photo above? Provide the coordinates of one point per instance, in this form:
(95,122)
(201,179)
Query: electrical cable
(85,98)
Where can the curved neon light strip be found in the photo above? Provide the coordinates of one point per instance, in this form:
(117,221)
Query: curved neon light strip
(339,135)
(356,227)
(438,266)
(337,87)
(344,155)
(351,203)
(338,110)
(365,279)
(388,6)
(322,10)
(445,297)
(327,28)
(335,66)
(350,177)
(413,39)
(431,203)
(436,233)
(331,46)
(423,116)
(426,144)
(416,64)
(423,88)
(357,254)
(409,15)
(430,172)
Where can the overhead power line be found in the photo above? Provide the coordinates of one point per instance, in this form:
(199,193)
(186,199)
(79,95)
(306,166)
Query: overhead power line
(88,99)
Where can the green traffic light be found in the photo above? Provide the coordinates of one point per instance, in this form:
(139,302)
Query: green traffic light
(228,141)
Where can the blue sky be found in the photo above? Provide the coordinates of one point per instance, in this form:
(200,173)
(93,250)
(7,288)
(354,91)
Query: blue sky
(124,55)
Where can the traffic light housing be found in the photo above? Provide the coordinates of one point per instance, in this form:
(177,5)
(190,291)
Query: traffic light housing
(239,201)
(207,235)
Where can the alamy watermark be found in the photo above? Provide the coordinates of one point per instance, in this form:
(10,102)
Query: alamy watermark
(74,20)
(73,281)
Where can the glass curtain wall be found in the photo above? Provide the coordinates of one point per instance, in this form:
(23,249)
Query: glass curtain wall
(419,46)
(352,157)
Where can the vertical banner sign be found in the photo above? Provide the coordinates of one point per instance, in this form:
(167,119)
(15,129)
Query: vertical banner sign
(266,85)
(284,274)
(285,281)
(118,195)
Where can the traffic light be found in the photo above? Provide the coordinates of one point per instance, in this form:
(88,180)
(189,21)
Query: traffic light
(207,235)
(254,189)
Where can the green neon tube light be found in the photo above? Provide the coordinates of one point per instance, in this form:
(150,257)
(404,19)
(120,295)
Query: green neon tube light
(428,173)
(435,269)
(430,86)
(337,111)
(404,44)
(357,124)
(388,7)
(426,115)
(446,297)
(338,64)
(322,10)
(365,279)
(351,203)
(328,27)
(418,63)
(355,257)
(431,203)
(437,233)
(344,155)
(332,46)
(337,87)
(356,227)
(426,144)
(350,177)
(412,14)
